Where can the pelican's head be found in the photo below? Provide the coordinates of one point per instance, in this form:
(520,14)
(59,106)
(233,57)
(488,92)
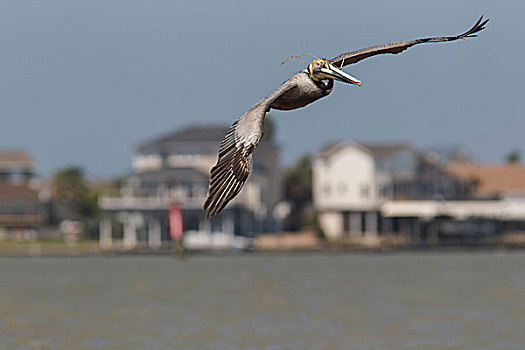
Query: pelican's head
(322,69)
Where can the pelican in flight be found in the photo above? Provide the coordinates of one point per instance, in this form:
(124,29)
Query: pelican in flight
(316,81)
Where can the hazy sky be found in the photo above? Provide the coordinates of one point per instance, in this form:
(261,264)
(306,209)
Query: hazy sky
(83,82)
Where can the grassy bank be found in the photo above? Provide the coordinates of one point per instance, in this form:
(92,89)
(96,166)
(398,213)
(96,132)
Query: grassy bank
(47,247)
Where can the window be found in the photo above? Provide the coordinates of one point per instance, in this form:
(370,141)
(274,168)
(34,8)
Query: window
(346,221)
(365,191)
(326,189)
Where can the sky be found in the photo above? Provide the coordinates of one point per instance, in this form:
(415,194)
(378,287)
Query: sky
(83,82)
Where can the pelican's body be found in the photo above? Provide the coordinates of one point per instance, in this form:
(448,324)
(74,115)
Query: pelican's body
(316,81)
(303,92)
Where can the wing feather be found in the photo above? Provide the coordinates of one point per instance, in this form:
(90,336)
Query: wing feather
(234,162)
(397,47)
(230,172)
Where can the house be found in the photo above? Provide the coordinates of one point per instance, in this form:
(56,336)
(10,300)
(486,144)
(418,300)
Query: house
(19,209)
(364,191)
(352,181)
(175,168)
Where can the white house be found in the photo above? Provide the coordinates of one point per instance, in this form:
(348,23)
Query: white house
(351,182)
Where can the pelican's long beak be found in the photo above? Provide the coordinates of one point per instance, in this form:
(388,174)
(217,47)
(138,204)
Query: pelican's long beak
(338,74)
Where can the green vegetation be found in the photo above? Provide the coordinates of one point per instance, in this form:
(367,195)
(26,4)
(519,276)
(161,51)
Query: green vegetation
(47,247)
(513,157)
(298,192)
(269,126)
(76,198)
(71,194)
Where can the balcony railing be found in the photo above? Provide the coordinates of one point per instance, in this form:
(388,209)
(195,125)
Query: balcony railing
(149,202)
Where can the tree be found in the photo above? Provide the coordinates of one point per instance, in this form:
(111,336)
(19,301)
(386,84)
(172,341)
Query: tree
(69,184)
(298,192)
(513,157)
(70,193)
(269,126)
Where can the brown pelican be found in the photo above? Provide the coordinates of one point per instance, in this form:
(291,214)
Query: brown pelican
(316,81)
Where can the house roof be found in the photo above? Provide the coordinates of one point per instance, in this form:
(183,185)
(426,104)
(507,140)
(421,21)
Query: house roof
(380,149)
(194,133)
(492,179)
(333,148)
(15,159)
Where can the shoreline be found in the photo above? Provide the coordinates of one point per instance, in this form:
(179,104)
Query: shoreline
(91,248)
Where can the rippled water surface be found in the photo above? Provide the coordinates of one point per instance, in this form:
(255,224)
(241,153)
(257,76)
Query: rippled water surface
(306,301)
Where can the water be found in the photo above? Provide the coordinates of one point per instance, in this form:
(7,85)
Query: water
(306,301)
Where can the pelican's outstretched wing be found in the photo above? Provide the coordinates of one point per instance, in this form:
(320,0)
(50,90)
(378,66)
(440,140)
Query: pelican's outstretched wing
(235,153)
(393,48)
